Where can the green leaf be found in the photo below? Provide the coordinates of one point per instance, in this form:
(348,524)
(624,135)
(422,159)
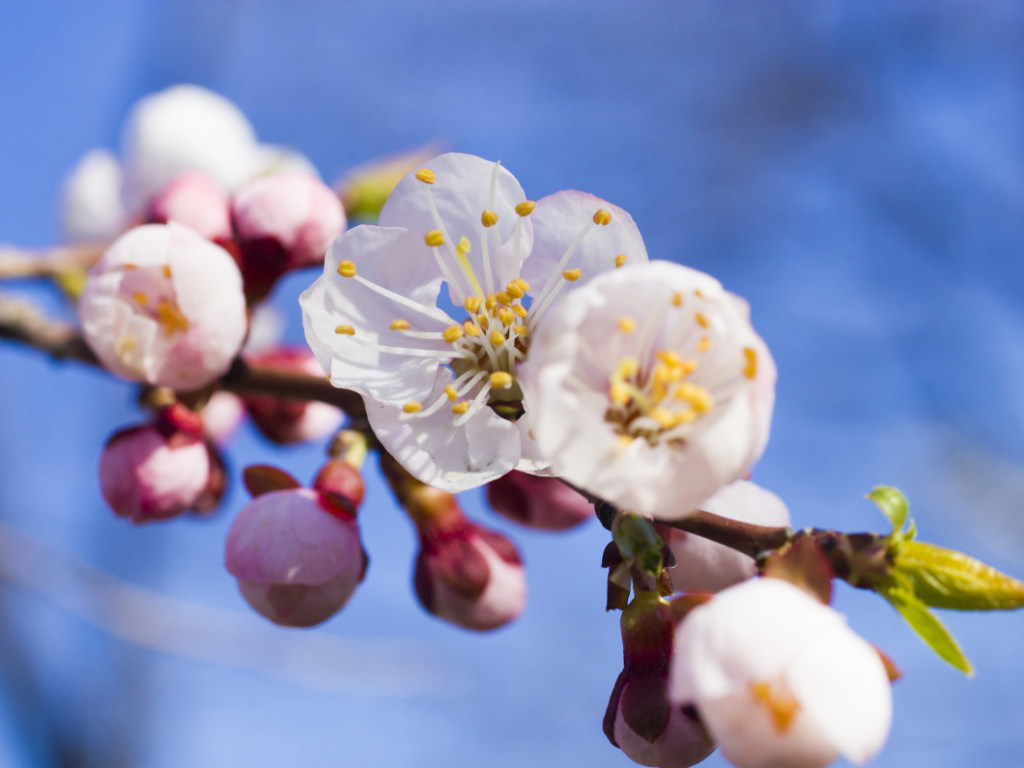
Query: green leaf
(945,578)
(892,503)
(924,623)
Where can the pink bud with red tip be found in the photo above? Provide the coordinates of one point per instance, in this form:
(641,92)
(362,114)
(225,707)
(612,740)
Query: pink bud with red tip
(538,502)
(639,719)
(291,421)
(469,575)
(295,551)
(284,221)
(156,471)
(195,200)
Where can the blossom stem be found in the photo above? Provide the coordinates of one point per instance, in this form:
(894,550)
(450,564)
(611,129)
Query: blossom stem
(18,264)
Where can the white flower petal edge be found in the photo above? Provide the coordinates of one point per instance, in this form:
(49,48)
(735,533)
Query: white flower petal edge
(649,388)
(779,679)
(434,368)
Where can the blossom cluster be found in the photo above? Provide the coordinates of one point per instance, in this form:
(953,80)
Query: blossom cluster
(529,346)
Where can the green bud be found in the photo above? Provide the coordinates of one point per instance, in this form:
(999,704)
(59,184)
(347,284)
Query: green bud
(945,578)
(901,596)
(893,505)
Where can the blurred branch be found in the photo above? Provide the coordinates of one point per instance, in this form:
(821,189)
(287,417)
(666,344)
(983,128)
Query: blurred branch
(48,264)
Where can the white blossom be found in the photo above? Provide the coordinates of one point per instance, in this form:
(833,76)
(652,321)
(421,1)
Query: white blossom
(434,368)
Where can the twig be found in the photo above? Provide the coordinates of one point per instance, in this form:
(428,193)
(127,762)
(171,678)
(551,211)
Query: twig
(48,264)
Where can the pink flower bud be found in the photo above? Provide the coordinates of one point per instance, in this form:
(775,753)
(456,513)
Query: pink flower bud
(222,415)
(296,555)
(469,576)
(282,222)
(538,502)
(639,719)
(704,566)
(291,421)
(165,306)
(779,679)
(195,200)
(156,471)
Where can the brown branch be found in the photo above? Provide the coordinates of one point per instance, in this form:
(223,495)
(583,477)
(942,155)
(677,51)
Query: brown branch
(747,538)
(22,322)
(50,264)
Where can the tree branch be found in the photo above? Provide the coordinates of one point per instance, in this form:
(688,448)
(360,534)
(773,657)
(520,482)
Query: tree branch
(48,264)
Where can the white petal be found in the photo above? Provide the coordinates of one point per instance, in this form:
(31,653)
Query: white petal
(91,207)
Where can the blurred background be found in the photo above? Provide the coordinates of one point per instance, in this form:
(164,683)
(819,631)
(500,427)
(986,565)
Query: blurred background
(853,168)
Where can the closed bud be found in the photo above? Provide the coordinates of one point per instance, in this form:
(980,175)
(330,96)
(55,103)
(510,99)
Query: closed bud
(291,421)
(468,575)
(195,200)
(538,502)
(297,556)
(156,471)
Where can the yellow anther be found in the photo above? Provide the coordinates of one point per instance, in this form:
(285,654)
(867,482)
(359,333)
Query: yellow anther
(345,330)
(523,285)
(778,700)
(347,268)
(426,175)
(519,310)
(525,208)
(514,291)
(627,324)
(412,407)
(400,325)
(131,266)
(619,393)
(666,419)
(140,298)
(521,329)
(620,260)
(167,271)
(497,338)
(677,299)
(471,328)
(503,298)
(602,217)
(452,333)
(697,293)
(702,321)
(450,392)
(750,369)
(669,358)
(489,218)
(696,396)
(171,318)
(463,245)
(500,380)
(627,368)
(460,408)
(625,441)
(472,304)
(490,302)
(483,321)
(572,275)
(506,315)
(704,344)
(434,238)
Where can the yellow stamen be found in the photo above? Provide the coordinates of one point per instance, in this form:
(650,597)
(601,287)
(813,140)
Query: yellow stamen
(521,329)
(434,238)
(400,325)
(460,408)
(171,318)
(452,333)
(697,293)
(450,392)
(489,218)
(412,407)
(525,208)
(506,316)
(701,320)
(514,291)
(669,358)
(500,380)
(497,338)
(140,298)
(461,249)
(750,369)
(523,285)
(490,302)
(519,310)
(602,217)
(620,260)
(625,441)
(426,175)
(483,321)
(779,702)
(472,304)
(503,298)
(347,269)
(627,324)
(471,328)
(167,271)
(677,299)
(695,395)
(704,344)
(345,330)
(131,266)
(572,275)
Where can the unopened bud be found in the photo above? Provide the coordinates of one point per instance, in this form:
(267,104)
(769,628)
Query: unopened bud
(195,200)
(538,502)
